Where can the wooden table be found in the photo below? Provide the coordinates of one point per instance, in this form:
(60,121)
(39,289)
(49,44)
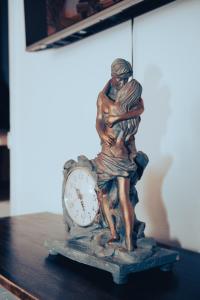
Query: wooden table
(28,271)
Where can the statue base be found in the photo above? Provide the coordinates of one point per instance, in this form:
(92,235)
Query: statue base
(115,259)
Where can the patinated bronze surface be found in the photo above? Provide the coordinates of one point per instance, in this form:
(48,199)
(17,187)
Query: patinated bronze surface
(99,195)
(119,107)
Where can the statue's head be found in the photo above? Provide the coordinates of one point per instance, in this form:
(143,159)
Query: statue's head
(121,71)
(129,95)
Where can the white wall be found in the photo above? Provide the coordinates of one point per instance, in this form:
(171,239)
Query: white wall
(166,62)
(53,108)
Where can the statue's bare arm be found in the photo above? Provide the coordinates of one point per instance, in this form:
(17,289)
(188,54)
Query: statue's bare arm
(100,124)
(137,111)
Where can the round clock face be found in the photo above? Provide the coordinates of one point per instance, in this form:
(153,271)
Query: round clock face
(80,197)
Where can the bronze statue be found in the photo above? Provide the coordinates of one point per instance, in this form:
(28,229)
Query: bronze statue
(119,107)
(99,195)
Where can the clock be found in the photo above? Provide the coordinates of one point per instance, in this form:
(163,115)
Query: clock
(80,203)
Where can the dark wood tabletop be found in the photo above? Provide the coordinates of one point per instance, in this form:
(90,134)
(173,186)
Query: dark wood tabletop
(28,271)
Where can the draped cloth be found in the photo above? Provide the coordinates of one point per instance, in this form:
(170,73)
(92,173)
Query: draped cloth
(108,168)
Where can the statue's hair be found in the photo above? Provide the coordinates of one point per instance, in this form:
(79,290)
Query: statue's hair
(129,95)
(121,67)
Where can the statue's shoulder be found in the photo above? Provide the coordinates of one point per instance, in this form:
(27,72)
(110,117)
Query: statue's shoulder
(101,97)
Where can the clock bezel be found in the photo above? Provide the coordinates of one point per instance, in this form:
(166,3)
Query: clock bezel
(87,172)
(70,166)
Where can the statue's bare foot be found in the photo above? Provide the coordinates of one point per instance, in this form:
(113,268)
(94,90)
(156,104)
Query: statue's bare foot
(114,239)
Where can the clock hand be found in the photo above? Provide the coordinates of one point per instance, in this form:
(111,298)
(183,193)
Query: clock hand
(80,197)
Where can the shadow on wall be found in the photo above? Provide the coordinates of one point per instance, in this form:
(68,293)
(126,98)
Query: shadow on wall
(156,97)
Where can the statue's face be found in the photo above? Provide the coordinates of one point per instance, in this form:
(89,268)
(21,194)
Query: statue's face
(119,82)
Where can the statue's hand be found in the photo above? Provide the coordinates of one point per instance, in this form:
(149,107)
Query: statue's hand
(111,120)
(108,139)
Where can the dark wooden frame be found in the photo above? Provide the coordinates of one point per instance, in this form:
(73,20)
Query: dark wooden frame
(122,11)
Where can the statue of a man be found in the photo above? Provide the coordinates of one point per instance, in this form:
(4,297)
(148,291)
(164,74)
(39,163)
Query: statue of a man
(119,106)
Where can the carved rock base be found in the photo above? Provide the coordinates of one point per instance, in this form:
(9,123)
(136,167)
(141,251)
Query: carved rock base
(114,259)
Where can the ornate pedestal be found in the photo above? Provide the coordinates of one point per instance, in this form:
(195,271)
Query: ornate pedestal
(113,259)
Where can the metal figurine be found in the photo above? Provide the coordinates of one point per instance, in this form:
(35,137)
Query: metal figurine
(119,107)
(99,195)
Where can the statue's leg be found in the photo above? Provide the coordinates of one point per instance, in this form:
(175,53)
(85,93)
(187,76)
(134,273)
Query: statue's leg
(127,210)
(103,197)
